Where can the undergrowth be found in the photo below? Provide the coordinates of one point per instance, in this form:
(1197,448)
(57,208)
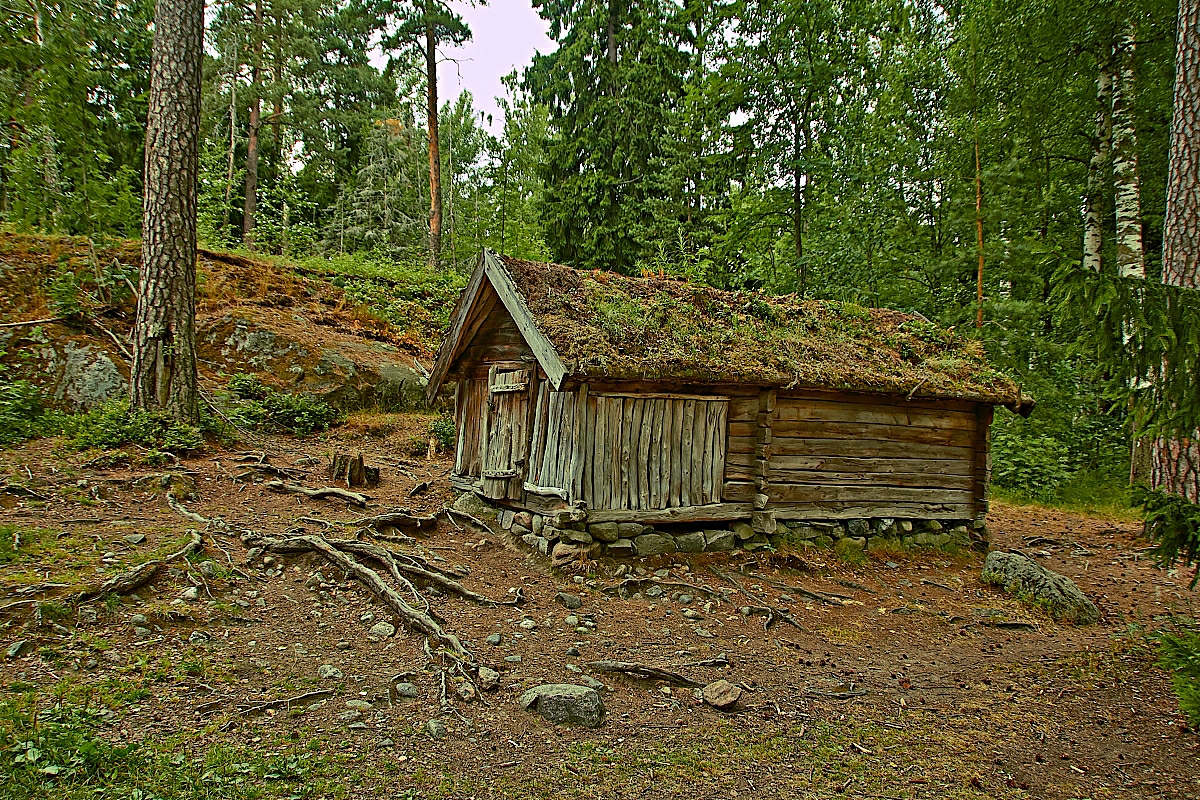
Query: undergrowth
(259,406)
(60,752)
(114,424)
(1173,524)
(1179,654)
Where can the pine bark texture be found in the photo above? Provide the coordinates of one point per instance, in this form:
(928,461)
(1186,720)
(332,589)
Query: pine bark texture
(1131,258)
(1181,234)
(1093,223)
(251,204)
(435,158)
(1175,467)
(163,374)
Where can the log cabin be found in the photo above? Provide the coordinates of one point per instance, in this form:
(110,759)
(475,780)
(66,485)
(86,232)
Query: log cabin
(593,407)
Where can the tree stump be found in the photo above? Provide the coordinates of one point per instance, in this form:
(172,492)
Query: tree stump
(351,471)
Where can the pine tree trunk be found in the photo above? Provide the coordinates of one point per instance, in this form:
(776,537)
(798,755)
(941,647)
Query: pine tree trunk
(1175,463)
(163,373)
(248,210)
(1131,259)
(1093,224)
(232,142)
(435,159)
(1181,234)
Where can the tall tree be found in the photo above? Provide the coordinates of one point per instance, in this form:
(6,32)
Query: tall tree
(1181,235)
(428,24)
(163,373)
(251,196)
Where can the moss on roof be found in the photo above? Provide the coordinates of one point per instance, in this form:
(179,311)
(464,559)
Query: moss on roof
(605,324)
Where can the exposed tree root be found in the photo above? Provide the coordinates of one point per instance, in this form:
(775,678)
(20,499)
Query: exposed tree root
(333,553)
(772,613)
(828,599)
(142,574)
(644,671)
(317,494)
(618,588)
(400,518)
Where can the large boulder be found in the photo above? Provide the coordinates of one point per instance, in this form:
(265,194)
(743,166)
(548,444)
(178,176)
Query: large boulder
(345,371)
(566,704)
(1034,583)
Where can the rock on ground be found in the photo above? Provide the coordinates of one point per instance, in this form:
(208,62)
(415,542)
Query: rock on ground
(565,704)
(1031,581)
(721,694)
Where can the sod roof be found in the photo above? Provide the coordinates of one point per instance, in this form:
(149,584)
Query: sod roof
(651,328)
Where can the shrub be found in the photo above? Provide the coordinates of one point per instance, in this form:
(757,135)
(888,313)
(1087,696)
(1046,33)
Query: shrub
(21,409)
(1173,524)
(261,406)
(114,424)
(1179,654)
(1032,465)
(442,429)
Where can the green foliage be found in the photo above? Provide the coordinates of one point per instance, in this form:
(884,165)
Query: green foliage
(442,429)
(21,410)
(1173,524)
(114,424)
(61,751)
(263,406)
(1179,654)
(1034,464)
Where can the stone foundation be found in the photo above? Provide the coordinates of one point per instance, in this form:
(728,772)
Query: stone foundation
(568,532)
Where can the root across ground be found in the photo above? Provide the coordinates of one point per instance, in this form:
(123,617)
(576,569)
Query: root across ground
(905,677)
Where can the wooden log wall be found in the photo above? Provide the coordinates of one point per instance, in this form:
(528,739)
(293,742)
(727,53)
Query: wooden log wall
(843,456)
(626,451)
(470,401)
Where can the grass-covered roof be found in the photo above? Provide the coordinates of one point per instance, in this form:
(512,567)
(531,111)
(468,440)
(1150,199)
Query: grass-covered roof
(653,328)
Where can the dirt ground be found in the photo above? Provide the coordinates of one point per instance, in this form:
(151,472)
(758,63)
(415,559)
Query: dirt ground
(923,683)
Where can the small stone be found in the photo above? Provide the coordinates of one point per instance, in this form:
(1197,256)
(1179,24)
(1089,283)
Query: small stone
(575,668)
(361,705)
(330,672)
(138,619)
(705,633)
(253,553)
(564,703)
(506,518)
(352,715)
(742,530)
(591,683)
(653,544)
(436,729)
(488,678)
(191,594)
(382,630)
(207,568)
(466,692)
(527,624)
(606,531)
(141,633)
(357,726)
(576,537)
(343,645)
(621,548)
(494,639)
(573,651)
(721,694)
(571,621)
(198,637)
(136,538)
(858,528)
(524,519)
(631,530)
(685,599)
(654,590)
(570,601)
(407,690)
(721,540)
(367,617)
(690,542)
(692,614)
(892,565)
(18,648)
(513,659)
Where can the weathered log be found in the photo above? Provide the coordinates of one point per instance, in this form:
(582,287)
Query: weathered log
(644,671)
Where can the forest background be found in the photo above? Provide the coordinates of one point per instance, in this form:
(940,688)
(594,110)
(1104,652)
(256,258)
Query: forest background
(878,152)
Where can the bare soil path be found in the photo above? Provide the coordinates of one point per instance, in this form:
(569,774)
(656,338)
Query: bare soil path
(923,684)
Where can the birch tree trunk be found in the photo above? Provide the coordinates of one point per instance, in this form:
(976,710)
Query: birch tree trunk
(435,159)
(250,206)
(1131,259)
(1093,223)
(163,373)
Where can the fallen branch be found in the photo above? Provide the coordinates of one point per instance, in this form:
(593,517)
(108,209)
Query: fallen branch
(827,599)
(644,671)
(317,494)
(479,525)
(617,588)
(853,585)
(836,695)
(414,617)
(23,323)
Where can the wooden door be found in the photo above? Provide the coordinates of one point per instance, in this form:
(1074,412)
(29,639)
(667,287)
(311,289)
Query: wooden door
(505,439)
